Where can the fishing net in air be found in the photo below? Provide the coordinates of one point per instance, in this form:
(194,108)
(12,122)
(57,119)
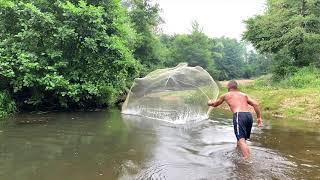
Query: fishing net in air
(176,95)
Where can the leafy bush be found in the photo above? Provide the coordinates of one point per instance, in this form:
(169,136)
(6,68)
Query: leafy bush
(62,54)
(283,66)
(263,81)
(307,77)
(7,105)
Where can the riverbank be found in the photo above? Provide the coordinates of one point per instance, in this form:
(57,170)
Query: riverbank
(298,103)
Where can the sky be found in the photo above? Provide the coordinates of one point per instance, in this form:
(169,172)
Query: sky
(216,17)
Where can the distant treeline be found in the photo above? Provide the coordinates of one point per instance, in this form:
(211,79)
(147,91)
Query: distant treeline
(224,58)
(58,54)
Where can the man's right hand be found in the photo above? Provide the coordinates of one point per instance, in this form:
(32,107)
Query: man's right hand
(259,122)
(210,102)
(217,102)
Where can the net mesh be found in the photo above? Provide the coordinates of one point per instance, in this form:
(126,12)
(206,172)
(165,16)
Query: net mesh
(176,95)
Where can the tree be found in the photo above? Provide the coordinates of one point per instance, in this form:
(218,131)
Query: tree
(290,28)
(65,53)
(192,48)
(257,64)
(231,61)
(145,19)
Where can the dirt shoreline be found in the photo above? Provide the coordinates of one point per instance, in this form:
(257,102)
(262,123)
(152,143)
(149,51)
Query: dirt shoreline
(241,82)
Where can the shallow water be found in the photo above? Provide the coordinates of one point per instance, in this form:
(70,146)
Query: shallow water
(108,145)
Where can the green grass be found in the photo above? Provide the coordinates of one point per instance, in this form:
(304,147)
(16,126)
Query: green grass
(286,102)
(293,112)
(295,96)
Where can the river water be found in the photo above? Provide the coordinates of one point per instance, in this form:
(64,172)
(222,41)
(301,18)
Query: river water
(107,145)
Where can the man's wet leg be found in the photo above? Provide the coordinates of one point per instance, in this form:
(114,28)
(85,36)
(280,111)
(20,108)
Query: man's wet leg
(244,148)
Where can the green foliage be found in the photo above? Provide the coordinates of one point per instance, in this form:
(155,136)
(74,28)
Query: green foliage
(7,105)
(264,81)
(231,63)
(192,48)
(224,58)
(145,20)
(283,66)
(307,77)
(289,28)
(257,64)
(65,54)
(85,53)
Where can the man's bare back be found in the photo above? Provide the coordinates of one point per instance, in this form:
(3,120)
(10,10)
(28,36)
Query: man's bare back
(237,101)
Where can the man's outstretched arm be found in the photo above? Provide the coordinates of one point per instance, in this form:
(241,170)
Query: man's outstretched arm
(256,108)
(217,102)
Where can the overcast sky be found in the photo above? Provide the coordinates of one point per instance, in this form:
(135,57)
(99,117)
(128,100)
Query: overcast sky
(217,17)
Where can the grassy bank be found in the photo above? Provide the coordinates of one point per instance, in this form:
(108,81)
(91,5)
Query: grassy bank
(297,96)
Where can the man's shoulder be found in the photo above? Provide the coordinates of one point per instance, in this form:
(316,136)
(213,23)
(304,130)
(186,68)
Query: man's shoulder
(242,93)
(226,94)
(235,93)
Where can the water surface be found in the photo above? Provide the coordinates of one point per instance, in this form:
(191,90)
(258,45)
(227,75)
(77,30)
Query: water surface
(108,145)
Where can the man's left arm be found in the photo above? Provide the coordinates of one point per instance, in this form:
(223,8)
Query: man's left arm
(216,103)
(256,108)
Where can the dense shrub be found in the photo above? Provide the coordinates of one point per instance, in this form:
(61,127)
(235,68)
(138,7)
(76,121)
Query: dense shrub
(7,105)
(307,77)
(64,54)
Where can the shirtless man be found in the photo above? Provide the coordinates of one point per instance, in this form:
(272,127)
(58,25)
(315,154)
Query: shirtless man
(242,118)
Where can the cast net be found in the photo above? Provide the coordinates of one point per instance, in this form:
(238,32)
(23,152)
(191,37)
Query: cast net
(176,95)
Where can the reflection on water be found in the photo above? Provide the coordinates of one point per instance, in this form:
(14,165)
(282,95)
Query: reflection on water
(106,145)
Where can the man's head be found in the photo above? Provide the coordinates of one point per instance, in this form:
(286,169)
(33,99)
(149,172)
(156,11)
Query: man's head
(232,85)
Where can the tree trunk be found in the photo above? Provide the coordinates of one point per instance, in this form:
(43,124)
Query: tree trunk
(303,8)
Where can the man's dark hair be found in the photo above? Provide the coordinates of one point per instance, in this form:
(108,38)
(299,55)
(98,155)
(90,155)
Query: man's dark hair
(233,84)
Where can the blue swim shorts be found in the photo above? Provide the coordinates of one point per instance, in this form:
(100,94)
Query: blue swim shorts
(242,124)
